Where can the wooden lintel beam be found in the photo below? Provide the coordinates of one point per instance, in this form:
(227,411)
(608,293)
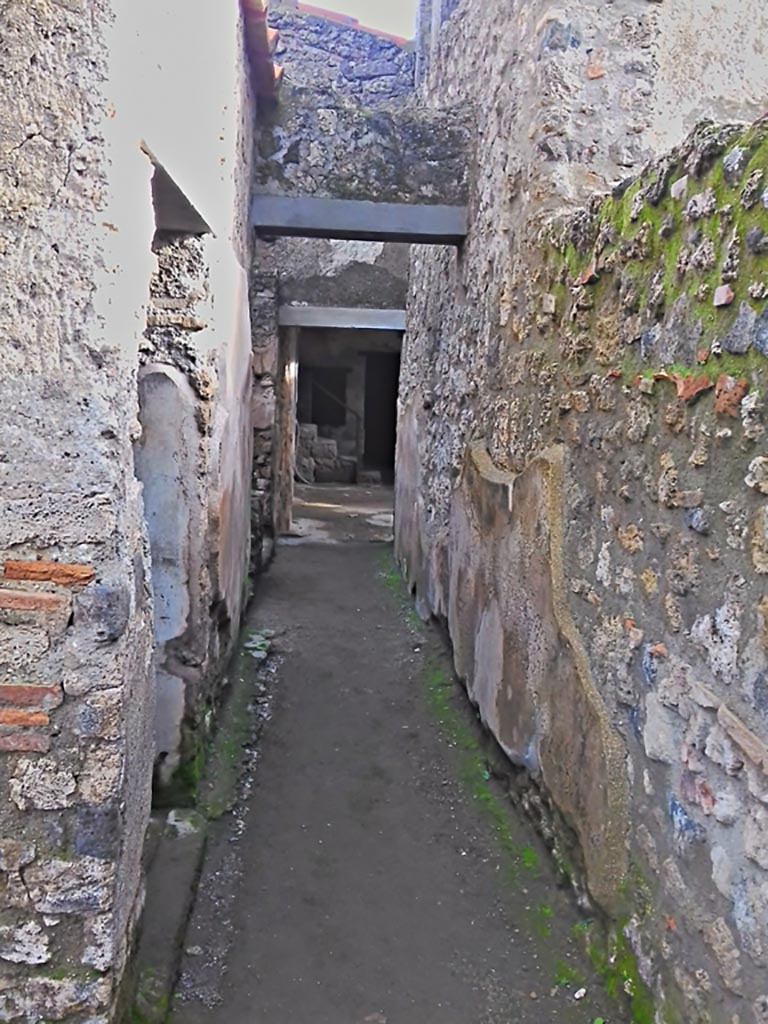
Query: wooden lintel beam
(358,220)
(341,317)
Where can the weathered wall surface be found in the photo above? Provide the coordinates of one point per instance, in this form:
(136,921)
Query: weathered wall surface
(75,637)
(342,129)
(321,142)
(77,691)
(580,466)
(195,462)
(316,51)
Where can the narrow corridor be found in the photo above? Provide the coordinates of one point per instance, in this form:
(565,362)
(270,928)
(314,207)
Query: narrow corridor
(365,877)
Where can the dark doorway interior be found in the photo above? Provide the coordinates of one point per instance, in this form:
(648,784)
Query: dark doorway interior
(328,395)
(382,374)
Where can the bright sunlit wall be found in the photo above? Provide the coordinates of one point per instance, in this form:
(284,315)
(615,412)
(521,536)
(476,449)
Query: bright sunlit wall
(395,16)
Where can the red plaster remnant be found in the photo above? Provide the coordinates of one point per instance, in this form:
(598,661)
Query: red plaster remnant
(696,790)
(659,650)
(595,71)
(30,696)
(729,392)
(687,387)
(588,276)
(25,743)
(30,601)
(23,716)
(66,574)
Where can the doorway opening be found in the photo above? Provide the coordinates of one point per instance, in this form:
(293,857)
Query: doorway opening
(346,406)
(382,378)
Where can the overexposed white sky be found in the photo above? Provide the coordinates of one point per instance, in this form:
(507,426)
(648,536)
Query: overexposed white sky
(396,16)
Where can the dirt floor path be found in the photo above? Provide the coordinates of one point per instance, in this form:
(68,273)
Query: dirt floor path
(372,871)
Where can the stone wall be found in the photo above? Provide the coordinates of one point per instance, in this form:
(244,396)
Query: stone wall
(321,142)
(177,463)
(317,51)
(580,465)
(77,690)
(75,637)
(327,138)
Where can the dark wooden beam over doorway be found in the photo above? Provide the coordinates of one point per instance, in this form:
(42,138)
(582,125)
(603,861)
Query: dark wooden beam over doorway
(358,220)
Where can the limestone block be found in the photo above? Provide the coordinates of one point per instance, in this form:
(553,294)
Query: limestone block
(100,942)
(101,774)
(104,611)
(756,836)
(15,854)
(263,407)
(99,715)
(80,886)
(720,939)
(42,784)
(24,944)
(324,449)
(662,732)
(52,999)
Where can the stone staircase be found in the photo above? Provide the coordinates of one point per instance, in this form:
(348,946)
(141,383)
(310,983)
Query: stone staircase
(324,460)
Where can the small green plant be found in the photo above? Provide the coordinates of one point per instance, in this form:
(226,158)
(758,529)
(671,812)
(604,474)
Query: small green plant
(529,857)
(566,974)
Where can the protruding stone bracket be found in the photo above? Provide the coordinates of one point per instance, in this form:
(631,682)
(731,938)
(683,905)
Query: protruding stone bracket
(341,318)
(358,220)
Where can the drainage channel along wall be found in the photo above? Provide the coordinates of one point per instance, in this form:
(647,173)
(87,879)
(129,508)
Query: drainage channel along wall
(582,464)
(90,88)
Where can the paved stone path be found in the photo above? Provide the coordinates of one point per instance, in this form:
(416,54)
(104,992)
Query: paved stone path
(361,879)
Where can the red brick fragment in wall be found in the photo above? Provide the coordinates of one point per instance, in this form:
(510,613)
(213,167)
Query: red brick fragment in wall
(690,387)
(25,743)
(23,717)
(588,276)
(687,387)
(31,601)
(29,696)
(729,392)
(67,575)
